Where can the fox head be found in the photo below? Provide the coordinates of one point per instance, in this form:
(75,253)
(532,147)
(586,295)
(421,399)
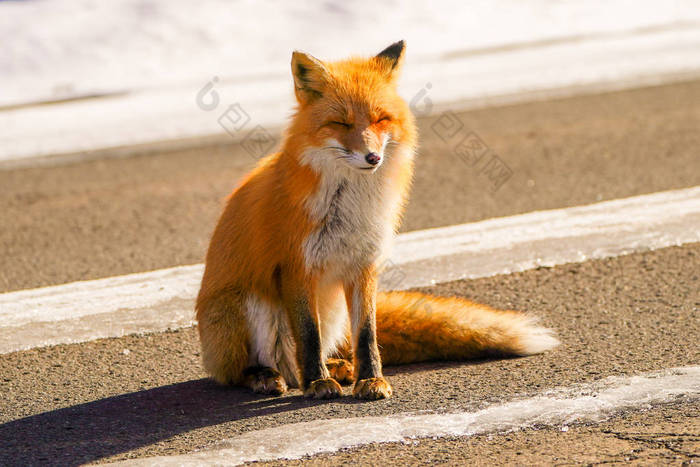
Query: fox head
(349,115)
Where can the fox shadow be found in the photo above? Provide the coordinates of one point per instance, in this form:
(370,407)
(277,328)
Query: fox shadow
(106,427)
(96,430)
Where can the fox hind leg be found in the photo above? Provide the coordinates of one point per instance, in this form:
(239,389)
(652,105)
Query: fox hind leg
(341,370)
(264,380)
(223,336)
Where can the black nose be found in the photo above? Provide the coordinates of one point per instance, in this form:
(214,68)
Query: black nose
(372,158)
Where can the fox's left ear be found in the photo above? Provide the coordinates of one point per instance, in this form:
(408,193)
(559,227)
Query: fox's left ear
(391,58)
(310,76)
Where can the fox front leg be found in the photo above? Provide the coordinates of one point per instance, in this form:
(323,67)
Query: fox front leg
(315,378)
(361,295)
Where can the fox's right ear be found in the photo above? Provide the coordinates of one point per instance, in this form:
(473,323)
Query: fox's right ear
(391,58)
(309,77)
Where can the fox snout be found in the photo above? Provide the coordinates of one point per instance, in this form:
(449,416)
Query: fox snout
(369,161)
(371,151)
(373,158)
(362,158)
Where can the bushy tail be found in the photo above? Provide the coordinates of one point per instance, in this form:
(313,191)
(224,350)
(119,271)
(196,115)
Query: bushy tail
(413,327)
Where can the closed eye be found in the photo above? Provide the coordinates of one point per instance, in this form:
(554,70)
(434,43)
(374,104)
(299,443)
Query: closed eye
(384,118)
(335,122)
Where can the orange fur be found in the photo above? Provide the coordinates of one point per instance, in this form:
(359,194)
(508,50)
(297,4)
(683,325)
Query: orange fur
(291,268)
(414,327)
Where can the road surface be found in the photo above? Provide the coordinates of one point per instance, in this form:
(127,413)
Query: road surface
(146,395)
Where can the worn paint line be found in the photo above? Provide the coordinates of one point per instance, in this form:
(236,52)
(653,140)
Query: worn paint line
(156,300)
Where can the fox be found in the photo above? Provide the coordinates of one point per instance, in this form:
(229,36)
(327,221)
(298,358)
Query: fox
(289,294)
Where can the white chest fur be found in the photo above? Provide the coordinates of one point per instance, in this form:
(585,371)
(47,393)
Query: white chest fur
(354,213)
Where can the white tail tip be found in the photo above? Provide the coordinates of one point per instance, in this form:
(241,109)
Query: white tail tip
(536,339)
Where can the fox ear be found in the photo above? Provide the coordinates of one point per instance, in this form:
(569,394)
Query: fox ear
(391,58)
(310,76)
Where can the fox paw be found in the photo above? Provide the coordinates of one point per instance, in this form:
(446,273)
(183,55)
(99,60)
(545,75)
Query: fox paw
(324,389)
(341,370)
(372,389)
(265,380)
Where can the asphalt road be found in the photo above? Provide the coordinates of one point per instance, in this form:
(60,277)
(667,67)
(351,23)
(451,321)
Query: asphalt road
(110,217)
(147,395)
(663,435)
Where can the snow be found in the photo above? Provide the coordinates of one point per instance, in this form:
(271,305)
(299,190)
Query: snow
(152,57)
(67,48)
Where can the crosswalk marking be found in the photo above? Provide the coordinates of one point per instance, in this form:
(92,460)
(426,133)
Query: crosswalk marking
(158,300)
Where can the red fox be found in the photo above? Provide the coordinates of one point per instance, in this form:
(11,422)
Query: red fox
(289,294)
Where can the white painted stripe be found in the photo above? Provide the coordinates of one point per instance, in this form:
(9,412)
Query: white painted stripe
(160,299)
(547,238)
(618,217)
(559,407)
(78,299)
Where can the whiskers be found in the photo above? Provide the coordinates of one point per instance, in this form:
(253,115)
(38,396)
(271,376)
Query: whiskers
(390,146)
(392,143)
(338,148)
(339,151)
